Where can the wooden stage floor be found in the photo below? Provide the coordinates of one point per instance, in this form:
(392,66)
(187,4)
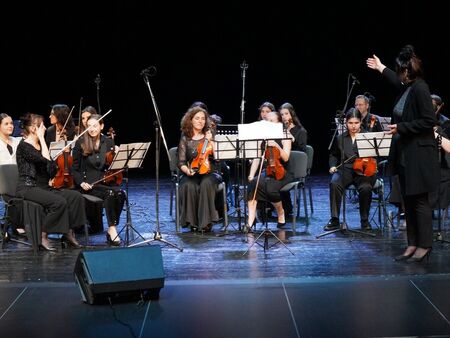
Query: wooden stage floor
(339,285)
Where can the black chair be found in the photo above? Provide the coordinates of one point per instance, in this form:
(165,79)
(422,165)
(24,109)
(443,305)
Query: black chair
(31,214)
(297,166)
(310,154)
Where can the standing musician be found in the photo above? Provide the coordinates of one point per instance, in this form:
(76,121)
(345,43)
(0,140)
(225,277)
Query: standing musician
(59,118)
(91,158)
(344,173)
(64,208)
(276,176)
(200,179)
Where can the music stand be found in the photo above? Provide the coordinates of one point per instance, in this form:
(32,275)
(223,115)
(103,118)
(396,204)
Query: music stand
(129,156)
(56,147)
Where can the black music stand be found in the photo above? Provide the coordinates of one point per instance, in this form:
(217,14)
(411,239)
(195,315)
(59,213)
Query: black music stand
(128,156)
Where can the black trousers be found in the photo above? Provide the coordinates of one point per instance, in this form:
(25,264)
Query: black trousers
(64,208)
(341,180)
(418,215)
(113,200)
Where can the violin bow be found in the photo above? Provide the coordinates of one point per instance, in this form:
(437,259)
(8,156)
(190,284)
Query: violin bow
(79,115)
(67,119)
(76,138)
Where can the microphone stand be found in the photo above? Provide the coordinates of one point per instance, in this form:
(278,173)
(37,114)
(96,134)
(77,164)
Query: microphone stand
(146,73)
(341,116)
(97,82)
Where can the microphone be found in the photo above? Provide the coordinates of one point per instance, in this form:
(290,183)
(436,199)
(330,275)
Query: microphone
(97,80)
(244,65)
(149,71)
(354,78)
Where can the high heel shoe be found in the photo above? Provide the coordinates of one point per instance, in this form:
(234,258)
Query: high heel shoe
(280,225)
(247,229)
(67,242)
(420,259)
(402,257)
(43,247)
(112,242)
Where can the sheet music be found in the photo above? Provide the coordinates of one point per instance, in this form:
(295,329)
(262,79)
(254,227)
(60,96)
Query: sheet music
(137,150)
(339,125)
(260,130)
(225,147)
(373,144)
(385,122)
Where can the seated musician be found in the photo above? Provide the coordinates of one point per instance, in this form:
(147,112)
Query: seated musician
(345,175)
(64,208)
(269,185)
(60,119)
(91,155)
(85,114)
(369,121)
(299,134)
(200,178)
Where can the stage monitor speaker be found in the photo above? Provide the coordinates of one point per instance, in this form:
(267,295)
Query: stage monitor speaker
(119,274)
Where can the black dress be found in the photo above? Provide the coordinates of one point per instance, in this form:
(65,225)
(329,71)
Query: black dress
(92,168)
(197,193)
(300,138)
(64,207)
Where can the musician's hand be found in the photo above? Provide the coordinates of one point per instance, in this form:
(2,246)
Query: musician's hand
(40,130)
(392,129)
(116,148)
(208,135)
(272,143)
(332,170)
(86,186)
(250,178)
(375,63)
(50,182)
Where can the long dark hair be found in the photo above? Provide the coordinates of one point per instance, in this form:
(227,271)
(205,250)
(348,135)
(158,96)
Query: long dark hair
(291,109)
(89,144)
(27,121)
(186,121)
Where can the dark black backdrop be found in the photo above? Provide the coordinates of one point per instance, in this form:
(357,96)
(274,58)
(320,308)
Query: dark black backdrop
(298,52)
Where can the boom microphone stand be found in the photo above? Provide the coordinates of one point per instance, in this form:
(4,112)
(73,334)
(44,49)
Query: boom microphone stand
(97,83)
(146,73)
(343,228)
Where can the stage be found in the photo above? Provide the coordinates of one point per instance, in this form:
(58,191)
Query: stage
(334,286)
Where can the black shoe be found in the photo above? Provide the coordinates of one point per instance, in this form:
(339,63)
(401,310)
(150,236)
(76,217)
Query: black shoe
(67,242)
(115,242)
(402,257)
(280,225)
(332,224)
(420,259)
(365,225)
(46,248)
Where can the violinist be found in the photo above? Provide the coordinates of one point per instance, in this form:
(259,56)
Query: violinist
(345,175)
(64,208)
(85,114)
(275,177)
(63,127)
(200,178)
(90,163)
(369,121)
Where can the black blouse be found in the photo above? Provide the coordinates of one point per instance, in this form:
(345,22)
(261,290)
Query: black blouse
(90,168)
(34,169)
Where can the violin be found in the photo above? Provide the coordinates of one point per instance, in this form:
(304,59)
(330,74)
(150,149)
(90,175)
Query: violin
(64,178)
(274,167)
(365,166)
(114,176)
(201,164)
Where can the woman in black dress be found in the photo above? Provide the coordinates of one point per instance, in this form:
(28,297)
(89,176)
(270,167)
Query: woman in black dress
(65,209)
(198,185)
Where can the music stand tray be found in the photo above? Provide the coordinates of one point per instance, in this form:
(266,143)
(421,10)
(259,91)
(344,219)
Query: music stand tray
(128,156)
(56,147)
